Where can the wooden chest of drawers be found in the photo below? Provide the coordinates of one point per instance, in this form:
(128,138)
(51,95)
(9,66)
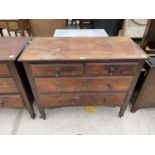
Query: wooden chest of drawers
(15,91)
(82,71)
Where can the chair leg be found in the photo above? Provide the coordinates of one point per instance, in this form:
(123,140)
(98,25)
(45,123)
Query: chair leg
(8,32)
(1,32)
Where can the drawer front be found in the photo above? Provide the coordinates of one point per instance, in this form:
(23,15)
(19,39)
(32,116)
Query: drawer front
(13,25)
(106,99)
(4,71)
(111,68)
(8,85)
(3,25)
(11,101)
(57,70)
(83,84)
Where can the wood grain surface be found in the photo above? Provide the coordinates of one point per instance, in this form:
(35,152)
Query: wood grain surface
(105,48)
(83,84)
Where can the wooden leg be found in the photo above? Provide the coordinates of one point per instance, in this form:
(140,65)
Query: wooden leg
(8,32)
(133,109)
(43,115)
(127,100)
(34,90)
(28,31)
(1,32)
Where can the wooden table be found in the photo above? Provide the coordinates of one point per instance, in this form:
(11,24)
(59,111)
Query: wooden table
(15,91)
(82,71)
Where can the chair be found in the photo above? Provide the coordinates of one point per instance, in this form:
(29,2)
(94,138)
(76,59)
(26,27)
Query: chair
(148,40)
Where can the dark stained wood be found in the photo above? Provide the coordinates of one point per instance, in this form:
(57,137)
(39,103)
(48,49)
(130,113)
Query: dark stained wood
(105,48)
(145,92)
(107,76)
(11,101)
(111,68)
(57,69)
(10,48)
(7,85)
(97,99)
(4,71)
(15,91)
(148,39)
(83,84)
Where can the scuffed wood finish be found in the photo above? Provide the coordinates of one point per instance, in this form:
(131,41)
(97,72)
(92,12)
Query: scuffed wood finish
(82,84)
(82,71)
(4,71)
(10,48)
(98,99)
(108,48)
(8,85)
(144,95)
(11,101)
(15,91)
(111,68)
(57,69)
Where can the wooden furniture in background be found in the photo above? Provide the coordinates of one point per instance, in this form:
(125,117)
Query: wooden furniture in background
(82,71)
(148,40)
(15,91)
(18,26)
(143,95)
(46,27)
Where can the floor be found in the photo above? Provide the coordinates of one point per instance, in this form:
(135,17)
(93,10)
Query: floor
(77,121)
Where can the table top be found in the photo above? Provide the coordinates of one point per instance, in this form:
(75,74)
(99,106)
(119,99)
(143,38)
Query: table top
(11,47)
(75,49)
(80,33)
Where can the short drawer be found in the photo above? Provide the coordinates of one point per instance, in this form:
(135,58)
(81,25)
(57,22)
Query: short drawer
(111,68)
(57,69)
(83,84)
(3,25)
(8,85)
(13,25)
(11,101)
(4,71)
(106,99)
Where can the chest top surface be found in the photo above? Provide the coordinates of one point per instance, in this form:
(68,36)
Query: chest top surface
(11,47)
(92,48)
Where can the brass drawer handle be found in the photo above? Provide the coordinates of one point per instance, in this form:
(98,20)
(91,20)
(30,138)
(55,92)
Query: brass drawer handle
(76,97)
(60,85)
(111,69)
(108,85)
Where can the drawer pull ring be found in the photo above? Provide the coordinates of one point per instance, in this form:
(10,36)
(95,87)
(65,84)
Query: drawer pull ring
(59,85)
(57,73)
(108,86)
(111,69)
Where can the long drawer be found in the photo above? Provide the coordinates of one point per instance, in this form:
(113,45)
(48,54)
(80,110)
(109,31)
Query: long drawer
(111,68)
(57,69)
(11,101)
(4,71)
(106,99)
(8,85)
(83,84)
